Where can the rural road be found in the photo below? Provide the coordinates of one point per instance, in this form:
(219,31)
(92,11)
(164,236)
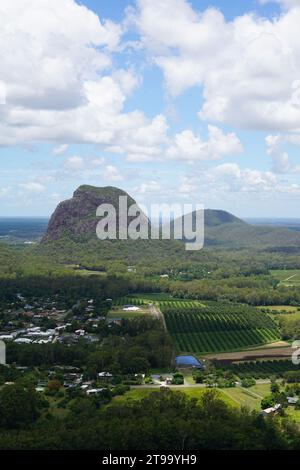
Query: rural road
(154,386)
(288,278)
(157,314)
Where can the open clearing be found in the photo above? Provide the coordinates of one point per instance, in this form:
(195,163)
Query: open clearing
(236,396)
(140,393)
(293,414)
(205,328)
(250,397)
(287,277)
(85,272)
(266,352)
(118,313)
(280,308)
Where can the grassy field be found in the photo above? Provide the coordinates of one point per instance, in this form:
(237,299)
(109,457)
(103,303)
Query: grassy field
(282,351)
(260,369)
(54,409)
(154,296)
(250,397)
(210,327)
(128,315)
(287,277)
(280,308)
(84,272)
(293,414)
(140,393)
(290,316)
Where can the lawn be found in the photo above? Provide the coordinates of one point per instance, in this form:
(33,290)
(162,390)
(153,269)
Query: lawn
(140,393)
(280,308)
(250,397)
(290,316)
(287,277)
(120,313)
(154,296)
(54,409)
(293,414)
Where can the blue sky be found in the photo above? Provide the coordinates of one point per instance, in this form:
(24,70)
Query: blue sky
(173,101)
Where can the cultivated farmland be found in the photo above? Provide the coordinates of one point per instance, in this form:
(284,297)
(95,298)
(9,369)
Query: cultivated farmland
(260,369)
(217,326)
(210,327)
(287,277)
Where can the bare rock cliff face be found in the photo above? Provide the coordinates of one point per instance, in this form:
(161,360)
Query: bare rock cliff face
(76,217)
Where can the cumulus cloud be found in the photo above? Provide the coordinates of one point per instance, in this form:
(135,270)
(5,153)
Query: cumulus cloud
(33,187)
(74,163)
(111,173)
(99,161)
(283,3)
(233,178)
(187,146)
(4,192)
(58,79)
(144,142)
(60,149)
(148,187)
(247,68)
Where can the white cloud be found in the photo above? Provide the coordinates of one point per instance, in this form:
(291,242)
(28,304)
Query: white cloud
(33,187)
(188,185)
(4,192)
(111,173)
(74,163)
(232,178)
(248,68)
(3,91)
(49,50)
(283,3)
(60,85)
(60,149)
(99,161)
(143,140)
(280,160)
(148,187)
(187,146)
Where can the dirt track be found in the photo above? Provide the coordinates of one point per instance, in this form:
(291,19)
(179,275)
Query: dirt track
(270,352)
(154,310)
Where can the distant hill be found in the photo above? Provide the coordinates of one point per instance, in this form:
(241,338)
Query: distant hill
(214,218)
(76,217)
(73,225)
(225,230)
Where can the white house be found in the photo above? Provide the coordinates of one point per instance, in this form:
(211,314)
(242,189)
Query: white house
(94,391)
(292,400)
(23,340)
(272,409)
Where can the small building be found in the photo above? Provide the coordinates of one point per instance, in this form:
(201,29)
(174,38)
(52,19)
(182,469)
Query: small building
(189,361)
(271,410)
(6,337)
(94,391)
(164,387)
(105,376)
(80,332)
(292,400)
(131,308)
(23,340)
